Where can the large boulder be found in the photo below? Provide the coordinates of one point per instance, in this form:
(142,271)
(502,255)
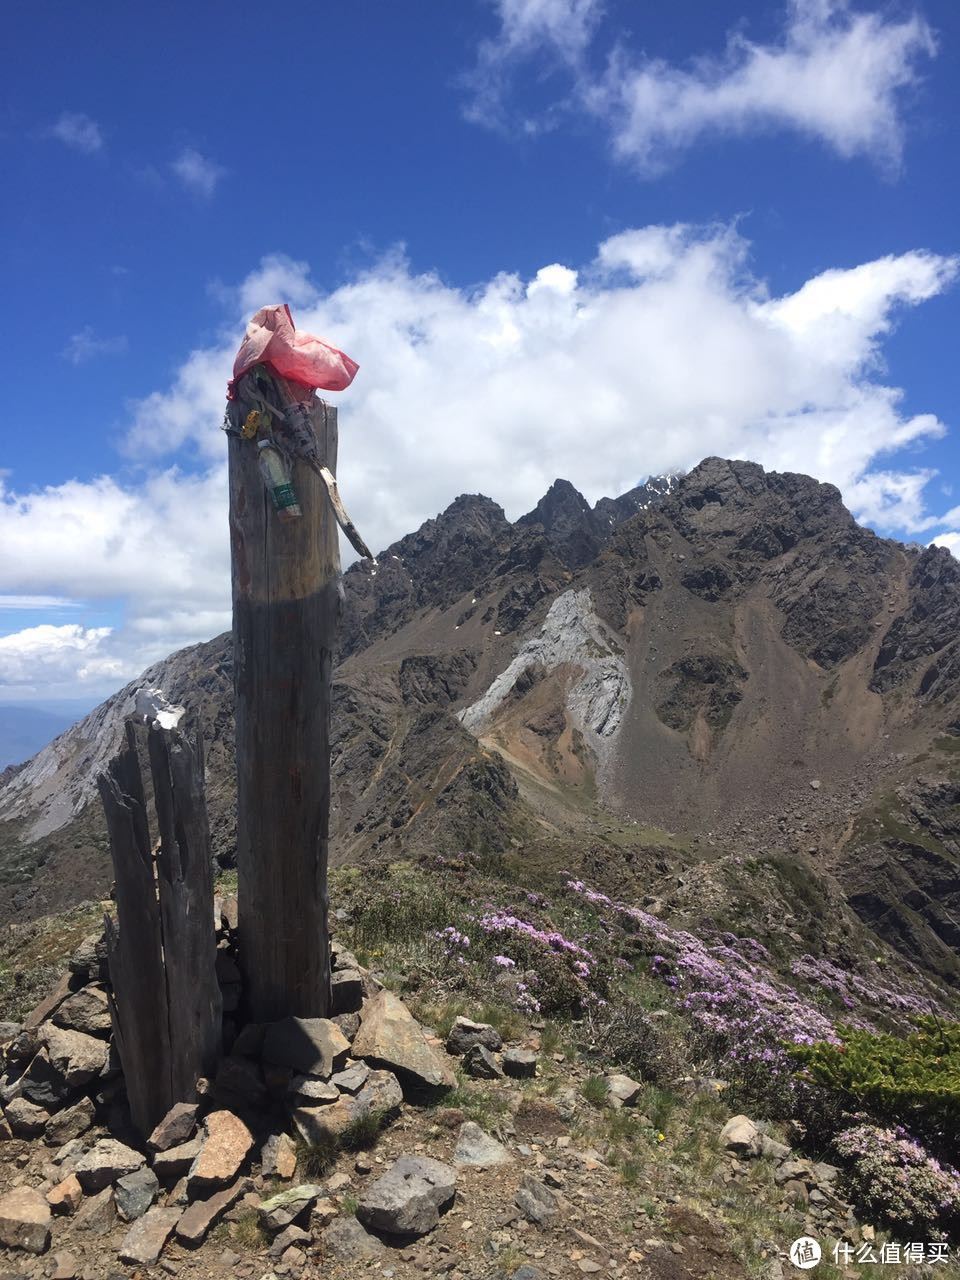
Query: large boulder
(24,1220)
(135,1193)
(535,1201)
(464,1034)
(203,1214)
(346,1240)
(78,1057)
(292,1238)
(89,961)
(310,1046)
(177,1161)
(741,1136)
(69,1124)
(97,1214)
(87,1011)
(352,1078)
(226,1144)
(409,1198)
(390,1036)
(478,1149)
(312,1092)
(347,990)
(480,1063)
(105,1163)
(622,1091)
(278,1157)
(65,1062)
(143,1243)
(520,1063)
(66,1196)
(770,1149)
(175,1127)
(288,1208)
(25,1118)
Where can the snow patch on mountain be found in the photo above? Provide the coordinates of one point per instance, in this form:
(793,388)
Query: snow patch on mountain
(571,635)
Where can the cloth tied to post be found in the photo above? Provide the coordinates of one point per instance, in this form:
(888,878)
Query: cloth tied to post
(285,369)
(273,340)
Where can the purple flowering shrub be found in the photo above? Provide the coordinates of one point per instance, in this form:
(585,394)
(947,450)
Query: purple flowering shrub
(508,943)
(741,1013)
(893,1178)
(555,973)
(877,995)
(744,1017)
(723,1007)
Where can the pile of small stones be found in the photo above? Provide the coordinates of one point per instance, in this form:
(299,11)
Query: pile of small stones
(299,1080)
(811,1184)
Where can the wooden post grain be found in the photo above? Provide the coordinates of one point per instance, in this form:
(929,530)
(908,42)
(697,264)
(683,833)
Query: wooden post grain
(139,1008)
(165,1001)
(185,893)
(285,614)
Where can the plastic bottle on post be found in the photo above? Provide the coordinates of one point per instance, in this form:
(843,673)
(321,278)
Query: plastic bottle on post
(276,476)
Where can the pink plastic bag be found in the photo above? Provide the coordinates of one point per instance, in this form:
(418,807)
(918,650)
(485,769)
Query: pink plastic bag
(272,339)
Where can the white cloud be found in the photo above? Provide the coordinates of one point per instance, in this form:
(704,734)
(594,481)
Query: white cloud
(568,25)
(661,350)
(52,661)
(161,547)
(560,29)
(38,602)
(190,412)
(553,279)
(87,345)
(498,389)
(836,74)
(197,172)
(78,131)
(949,540)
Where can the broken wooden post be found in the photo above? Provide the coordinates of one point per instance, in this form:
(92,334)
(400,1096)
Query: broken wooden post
(165,1002)
(285,610)
(185,885)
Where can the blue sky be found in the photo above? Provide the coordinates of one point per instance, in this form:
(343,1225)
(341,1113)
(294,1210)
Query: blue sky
(561,237)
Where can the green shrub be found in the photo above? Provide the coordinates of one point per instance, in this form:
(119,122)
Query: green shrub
(314,1160)
(595,1090)
(624,1033)
(400,907)
(364,1130)
(910,1080)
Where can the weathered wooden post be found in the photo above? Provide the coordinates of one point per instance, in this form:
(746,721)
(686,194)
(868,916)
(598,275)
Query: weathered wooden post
(285,609)
(165,1004)
(286,605)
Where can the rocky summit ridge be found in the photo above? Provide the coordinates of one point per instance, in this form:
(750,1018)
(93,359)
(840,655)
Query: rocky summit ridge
(720,660)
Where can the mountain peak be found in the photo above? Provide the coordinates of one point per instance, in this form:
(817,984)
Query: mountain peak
(571,527)
(474,502)
(732,480)
(613,511)
(561,499)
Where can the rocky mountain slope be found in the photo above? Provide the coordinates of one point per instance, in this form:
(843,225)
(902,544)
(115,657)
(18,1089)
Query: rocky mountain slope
(513,1085)
(722,661)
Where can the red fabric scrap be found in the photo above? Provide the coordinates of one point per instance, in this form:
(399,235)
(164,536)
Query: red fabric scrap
(271,339)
